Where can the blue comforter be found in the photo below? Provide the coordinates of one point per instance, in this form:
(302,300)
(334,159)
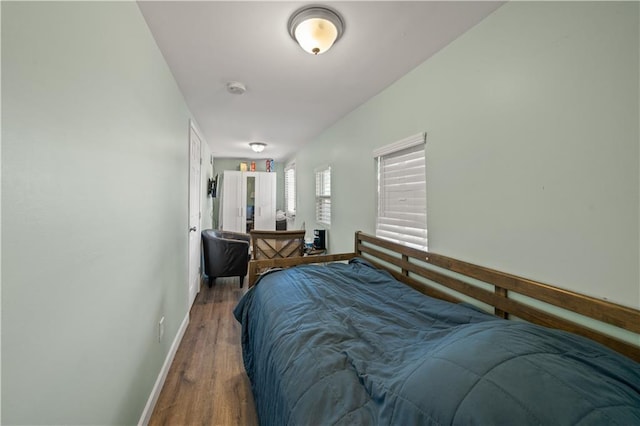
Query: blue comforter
(347,344)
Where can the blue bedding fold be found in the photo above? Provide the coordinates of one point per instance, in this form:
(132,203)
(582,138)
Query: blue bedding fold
(347,344)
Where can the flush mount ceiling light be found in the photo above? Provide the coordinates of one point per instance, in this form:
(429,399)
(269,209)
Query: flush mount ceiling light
(316,28)
(257,146)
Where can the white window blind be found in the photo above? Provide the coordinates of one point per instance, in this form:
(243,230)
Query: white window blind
(323,195)
(402,192)
(290,190)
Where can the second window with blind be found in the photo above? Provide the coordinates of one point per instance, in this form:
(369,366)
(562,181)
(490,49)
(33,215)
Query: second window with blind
(323,195)
(402,192)
(290,190)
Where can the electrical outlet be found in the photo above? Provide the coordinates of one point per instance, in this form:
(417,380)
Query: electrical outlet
(160,329)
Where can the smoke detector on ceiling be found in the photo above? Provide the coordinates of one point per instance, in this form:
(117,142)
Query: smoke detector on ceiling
(236,88)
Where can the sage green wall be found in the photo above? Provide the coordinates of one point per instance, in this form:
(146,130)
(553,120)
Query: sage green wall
(532,147)
(94,212)
(222,164)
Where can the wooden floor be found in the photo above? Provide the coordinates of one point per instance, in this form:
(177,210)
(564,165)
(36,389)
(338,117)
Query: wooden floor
(207,384)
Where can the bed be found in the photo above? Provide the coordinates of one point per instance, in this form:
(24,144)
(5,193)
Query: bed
(355,343)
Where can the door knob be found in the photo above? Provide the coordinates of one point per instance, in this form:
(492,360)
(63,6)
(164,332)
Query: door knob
(192,229)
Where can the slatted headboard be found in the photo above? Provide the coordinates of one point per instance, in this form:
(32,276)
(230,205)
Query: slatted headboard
(436,275)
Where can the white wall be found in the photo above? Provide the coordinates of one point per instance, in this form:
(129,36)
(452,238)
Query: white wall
(94,212)
(532,147)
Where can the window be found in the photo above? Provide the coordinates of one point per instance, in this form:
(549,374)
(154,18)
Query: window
(402,192)
(323,195)
(290,190)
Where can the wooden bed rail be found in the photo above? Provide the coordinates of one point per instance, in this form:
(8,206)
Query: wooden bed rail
(502,291)
(258,265)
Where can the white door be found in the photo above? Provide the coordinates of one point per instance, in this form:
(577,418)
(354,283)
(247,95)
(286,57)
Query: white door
(265,210)
(194,215)
(233,216)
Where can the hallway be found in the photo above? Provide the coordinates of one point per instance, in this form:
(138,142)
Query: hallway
(207,383)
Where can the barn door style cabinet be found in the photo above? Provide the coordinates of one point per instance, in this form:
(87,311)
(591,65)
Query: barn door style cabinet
(248,201)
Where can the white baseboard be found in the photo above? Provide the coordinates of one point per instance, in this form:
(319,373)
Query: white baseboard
(155,392)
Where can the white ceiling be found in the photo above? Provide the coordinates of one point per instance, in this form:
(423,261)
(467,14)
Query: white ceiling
(292,96)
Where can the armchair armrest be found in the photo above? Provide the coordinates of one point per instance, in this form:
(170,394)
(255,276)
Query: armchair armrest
(232,235)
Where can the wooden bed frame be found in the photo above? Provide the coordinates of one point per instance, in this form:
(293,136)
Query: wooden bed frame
(456,281)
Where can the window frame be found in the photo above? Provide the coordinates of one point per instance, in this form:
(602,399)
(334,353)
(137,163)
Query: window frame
(322,200)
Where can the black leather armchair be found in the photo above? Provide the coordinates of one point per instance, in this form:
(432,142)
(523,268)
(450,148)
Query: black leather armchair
(226,254)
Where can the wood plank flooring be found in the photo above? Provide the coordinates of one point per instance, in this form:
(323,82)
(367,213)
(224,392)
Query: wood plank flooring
(207,384)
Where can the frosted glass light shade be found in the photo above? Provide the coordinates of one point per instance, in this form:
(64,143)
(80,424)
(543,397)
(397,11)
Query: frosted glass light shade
(316,29)
(316,35)
(257,146)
